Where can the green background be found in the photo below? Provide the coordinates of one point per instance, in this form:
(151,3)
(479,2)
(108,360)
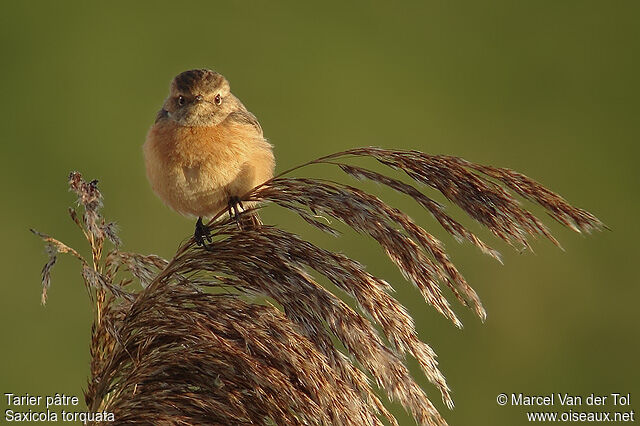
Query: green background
(547,88)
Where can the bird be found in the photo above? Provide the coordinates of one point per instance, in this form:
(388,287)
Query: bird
(205,150)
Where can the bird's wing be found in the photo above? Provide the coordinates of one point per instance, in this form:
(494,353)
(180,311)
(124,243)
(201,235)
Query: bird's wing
(163,113)
(245,117)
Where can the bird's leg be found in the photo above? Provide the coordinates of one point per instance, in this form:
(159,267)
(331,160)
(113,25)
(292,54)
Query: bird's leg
(201,233)
(234,208)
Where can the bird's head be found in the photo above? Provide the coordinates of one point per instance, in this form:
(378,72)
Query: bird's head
(199,97)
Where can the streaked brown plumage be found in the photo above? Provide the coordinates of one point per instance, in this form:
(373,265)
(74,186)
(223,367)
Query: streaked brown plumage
(205,149)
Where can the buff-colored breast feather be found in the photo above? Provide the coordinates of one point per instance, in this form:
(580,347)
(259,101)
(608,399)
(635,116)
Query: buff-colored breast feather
(195,170)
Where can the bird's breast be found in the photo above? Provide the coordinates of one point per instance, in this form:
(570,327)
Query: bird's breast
(192,168)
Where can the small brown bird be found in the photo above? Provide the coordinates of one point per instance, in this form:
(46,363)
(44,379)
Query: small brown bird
(205,150)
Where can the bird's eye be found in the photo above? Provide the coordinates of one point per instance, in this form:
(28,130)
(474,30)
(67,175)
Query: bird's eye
(180,100)
(218,99)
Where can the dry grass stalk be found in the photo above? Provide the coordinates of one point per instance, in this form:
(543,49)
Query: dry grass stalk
(172,352)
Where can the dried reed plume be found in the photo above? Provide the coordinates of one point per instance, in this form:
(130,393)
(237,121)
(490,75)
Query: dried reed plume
(189,346)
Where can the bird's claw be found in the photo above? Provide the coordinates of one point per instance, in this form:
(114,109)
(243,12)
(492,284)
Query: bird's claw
(202,233)
(235,208)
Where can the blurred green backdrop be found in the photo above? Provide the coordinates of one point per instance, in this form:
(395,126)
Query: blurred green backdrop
(547,88)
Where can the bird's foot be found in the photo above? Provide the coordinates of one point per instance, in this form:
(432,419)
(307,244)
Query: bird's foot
(201,233)
(235,208)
